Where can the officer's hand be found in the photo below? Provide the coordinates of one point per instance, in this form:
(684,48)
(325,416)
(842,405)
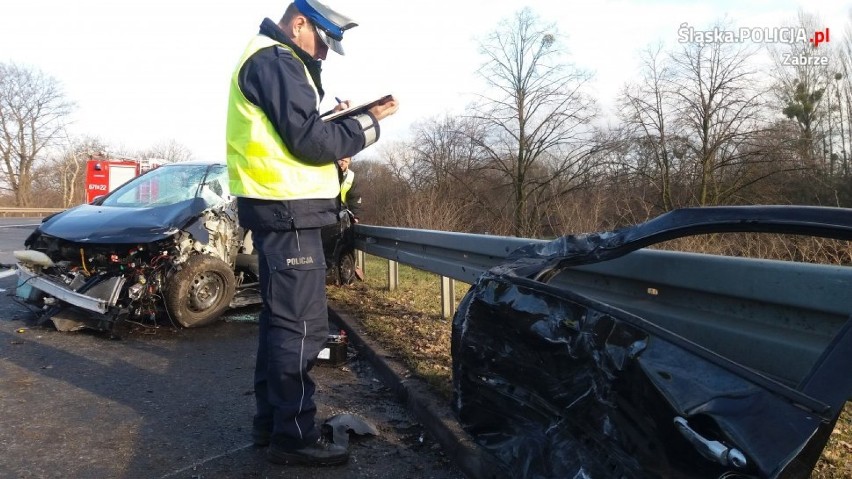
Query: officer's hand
(385,109)
(341,106)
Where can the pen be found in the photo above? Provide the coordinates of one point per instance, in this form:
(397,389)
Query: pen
(338,100)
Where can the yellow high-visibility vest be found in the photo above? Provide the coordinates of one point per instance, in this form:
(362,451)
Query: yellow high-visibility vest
(259,164)
(347,184)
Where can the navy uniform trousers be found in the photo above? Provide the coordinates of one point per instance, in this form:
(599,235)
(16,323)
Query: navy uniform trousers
(293,330)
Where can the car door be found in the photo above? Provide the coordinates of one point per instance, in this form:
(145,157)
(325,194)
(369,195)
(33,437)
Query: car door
(560,378)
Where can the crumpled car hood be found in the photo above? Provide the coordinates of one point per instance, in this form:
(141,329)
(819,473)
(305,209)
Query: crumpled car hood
(109,224)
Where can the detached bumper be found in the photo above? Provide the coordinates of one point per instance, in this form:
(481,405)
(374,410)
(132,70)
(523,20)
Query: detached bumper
(98,298)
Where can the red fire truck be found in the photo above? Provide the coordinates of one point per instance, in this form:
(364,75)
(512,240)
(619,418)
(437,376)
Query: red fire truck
(106,174)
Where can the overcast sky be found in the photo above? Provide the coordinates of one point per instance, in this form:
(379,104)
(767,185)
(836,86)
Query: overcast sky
(146,72)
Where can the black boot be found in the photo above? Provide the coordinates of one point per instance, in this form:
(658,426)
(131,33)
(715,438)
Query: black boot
(260,437)
(320,453)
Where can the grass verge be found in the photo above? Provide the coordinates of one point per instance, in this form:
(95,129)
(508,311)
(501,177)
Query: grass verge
(407,322)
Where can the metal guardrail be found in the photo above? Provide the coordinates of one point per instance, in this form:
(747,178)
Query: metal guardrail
(24,211)
(453,256)
(456,255)
(786,312)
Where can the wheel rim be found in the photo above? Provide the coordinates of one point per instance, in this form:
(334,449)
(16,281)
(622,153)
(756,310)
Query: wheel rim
(206,291)
(347,269)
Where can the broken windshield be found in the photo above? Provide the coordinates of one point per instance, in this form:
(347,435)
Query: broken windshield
(170,184)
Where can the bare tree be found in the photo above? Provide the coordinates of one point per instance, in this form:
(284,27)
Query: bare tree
(33,115)
(452,167)
(171,151)
(414,186)
(60,180)
(647,109)
(720,110)
(536,117)
(445,149)
(801,86)
(383,192)
(841,107)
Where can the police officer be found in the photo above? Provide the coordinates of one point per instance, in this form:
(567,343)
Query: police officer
(281,161)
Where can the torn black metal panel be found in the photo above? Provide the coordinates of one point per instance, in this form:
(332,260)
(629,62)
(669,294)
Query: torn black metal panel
(118,225)
(558,385)
(545,259)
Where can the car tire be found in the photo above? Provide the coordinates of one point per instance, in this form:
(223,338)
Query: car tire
(200,292)
(346,268)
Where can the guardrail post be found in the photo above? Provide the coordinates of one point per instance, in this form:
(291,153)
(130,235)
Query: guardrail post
(393,275)
(359,261)
(448,297)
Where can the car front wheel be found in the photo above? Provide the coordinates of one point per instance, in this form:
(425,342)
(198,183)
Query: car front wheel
(200,292)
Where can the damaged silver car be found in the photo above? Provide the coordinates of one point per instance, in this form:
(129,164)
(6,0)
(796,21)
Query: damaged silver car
(166,242)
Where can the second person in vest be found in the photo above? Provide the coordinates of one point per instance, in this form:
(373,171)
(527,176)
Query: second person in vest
(350,195)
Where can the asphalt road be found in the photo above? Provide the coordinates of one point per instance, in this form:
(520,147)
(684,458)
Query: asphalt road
(168,403)
(13,232)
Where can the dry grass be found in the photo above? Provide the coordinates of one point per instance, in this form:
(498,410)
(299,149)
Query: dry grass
(836,460)
(407,322)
